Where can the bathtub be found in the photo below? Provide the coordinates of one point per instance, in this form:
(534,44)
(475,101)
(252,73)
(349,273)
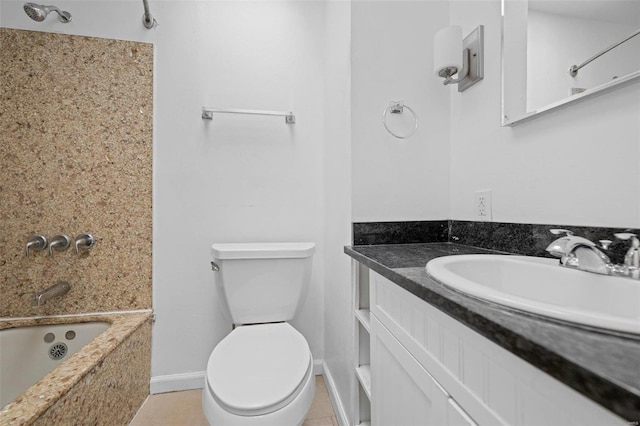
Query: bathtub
(27,354)
(76,368)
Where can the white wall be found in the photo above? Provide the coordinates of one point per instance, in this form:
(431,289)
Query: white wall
(578,165)
(236,178)
(391,179)
(392,59)
(338,314)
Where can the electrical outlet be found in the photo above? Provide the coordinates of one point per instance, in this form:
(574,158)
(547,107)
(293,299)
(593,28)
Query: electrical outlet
(483,205)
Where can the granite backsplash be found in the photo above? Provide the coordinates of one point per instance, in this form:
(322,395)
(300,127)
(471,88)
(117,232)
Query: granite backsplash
(517,238)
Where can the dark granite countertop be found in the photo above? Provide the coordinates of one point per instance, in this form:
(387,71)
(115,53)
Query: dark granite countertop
(603,367)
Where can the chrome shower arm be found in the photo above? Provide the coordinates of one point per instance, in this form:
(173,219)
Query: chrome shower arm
(60,13)
(147,19)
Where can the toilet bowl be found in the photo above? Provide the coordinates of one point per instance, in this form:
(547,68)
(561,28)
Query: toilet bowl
(259,375)
(262,372)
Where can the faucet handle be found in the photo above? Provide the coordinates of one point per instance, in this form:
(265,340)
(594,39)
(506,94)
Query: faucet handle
(59,243)
(632,258)
(35,243)
(567,232)
(625,236)
(605,244)
(84,242)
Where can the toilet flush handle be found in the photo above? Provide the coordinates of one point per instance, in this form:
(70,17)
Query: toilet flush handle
(214,266)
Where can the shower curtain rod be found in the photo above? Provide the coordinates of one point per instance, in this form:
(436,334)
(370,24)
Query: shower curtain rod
(573,71)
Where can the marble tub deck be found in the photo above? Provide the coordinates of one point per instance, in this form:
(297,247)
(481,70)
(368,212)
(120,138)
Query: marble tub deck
(36,400)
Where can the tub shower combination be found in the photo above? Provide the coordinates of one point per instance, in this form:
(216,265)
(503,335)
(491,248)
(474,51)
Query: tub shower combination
(75,325)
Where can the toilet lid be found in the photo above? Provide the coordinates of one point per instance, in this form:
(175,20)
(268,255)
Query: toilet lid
(258,369)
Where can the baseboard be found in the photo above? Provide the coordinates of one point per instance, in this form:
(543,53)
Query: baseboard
(177,382)
(318,367)
(188,381)
(338,407)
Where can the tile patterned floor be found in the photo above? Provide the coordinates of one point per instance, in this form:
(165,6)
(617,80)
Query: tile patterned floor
(185,409)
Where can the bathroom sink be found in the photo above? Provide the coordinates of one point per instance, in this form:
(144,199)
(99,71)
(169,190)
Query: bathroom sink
(540,286)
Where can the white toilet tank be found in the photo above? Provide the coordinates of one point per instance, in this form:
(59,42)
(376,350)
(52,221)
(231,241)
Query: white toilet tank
(262,282)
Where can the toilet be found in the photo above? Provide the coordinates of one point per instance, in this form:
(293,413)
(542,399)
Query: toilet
(262,372)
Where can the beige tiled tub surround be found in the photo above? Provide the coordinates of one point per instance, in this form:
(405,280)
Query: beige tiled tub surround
(104,383)
(75,156)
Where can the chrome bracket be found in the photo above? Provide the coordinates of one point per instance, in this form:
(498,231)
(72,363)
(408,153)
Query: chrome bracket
(474,43)
(396,107)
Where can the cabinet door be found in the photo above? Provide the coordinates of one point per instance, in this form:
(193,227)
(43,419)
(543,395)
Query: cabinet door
(402,392)
(457,416)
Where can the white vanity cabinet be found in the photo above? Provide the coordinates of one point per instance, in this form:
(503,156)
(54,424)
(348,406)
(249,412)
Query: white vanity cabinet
(426,368)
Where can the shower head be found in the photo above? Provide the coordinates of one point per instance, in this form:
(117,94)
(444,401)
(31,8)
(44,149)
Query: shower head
(39,12)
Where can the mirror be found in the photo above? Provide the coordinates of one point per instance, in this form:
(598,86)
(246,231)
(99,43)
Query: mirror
(543,39)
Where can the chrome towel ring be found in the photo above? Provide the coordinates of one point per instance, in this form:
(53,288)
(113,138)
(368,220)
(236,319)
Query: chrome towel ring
(398,107)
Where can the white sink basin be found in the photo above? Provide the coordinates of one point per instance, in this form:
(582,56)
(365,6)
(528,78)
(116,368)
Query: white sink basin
(540,286)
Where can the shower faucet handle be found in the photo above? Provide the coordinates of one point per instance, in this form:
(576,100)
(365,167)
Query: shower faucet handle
(59,243)
(35,243)
(84,242)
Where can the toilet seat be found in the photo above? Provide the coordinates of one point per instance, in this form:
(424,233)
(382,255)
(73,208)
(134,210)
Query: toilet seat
(258,369)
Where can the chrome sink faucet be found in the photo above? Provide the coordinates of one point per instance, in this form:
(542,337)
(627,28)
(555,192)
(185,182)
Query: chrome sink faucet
(580,253)
(59,289)
(583,254)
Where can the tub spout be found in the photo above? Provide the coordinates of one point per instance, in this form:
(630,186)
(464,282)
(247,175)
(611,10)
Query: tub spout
(59,289)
